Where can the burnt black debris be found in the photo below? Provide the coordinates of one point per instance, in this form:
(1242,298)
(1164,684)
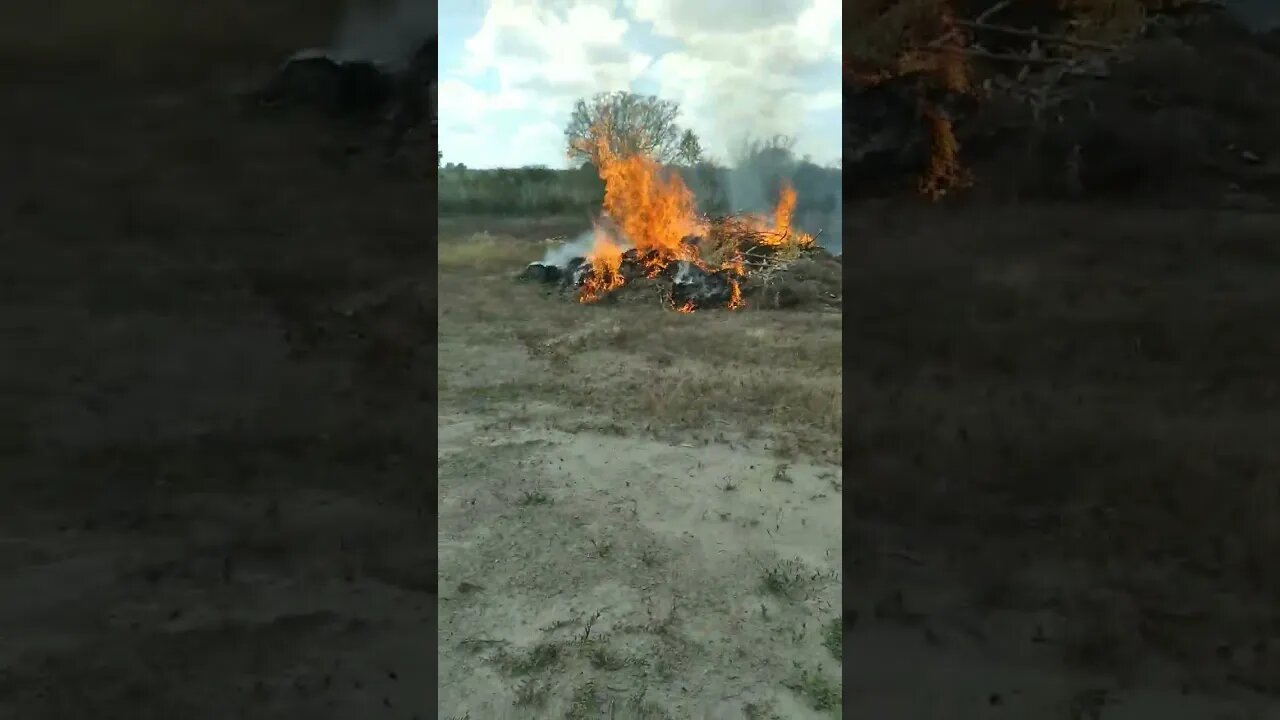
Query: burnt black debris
(812,281)
(541,272)
(401,93)
(338,87)
(694,287)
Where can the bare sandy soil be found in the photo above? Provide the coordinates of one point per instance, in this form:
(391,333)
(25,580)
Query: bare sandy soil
(639,510)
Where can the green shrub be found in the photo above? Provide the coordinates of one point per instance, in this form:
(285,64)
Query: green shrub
(519,191)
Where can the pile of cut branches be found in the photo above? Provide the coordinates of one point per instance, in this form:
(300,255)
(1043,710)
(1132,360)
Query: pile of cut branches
(733,236)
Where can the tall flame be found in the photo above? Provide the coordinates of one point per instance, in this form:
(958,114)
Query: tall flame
(656,212)
(945,172)
(654,209)
(606,265)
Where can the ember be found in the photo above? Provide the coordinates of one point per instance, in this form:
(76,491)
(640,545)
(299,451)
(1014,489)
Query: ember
(650,234)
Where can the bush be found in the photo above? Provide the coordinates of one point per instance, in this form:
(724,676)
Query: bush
(754,187)
(519,191)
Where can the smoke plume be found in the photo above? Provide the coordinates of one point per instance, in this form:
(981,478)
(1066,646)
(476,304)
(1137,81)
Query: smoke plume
(384,32)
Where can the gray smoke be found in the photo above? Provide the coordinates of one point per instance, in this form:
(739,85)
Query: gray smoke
(753,183)
(384,32)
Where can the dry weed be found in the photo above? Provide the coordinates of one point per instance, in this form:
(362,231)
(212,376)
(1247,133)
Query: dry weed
(483,251)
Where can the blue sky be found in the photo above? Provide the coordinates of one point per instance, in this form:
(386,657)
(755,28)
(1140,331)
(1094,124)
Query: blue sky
(510,71)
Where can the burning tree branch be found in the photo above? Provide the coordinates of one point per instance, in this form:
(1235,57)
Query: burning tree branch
(1032,49)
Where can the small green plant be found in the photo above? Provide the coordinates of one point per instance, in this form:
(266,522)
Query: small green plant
(584,703)
(602,548)
(820,692)
(833,638)
(602,658)
(533,497)
(531,693)
(785,578)
(649,557)
(543,656)
(760,711)
(781,474)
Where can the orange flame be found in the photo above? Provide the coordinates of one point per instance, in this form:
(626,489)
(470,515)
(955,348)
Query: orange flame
(786,206)
(945,173)
(779,231)
(735,296)
(935,45)
(606,265)
(654,210)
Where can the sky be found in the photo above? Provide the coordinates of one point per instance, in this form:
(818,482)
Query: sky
(510,71)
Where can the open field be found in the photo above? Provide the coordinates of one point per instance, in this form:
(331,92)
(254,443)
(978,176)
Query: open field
(639,509)
(1064,483)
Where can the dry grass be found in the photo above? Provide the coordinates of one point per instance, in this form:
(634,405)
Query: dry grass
(1092,395)
(707,375)
(482,251)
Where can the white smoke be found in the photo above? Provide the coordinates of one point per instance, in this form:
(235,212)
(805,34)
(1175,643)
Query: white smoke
(581,245)
(560,255)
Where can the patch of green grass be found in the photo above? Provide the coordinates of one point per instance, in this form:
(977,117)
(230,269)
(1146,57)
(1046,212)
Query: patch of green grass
(785,579)
(533,497)
(760,711)
(781,474)
(541,657)
(604,658)
(833,638)
(532,693)
(483,251)
(584,703)
(817,690)
(649,557)
(602,548)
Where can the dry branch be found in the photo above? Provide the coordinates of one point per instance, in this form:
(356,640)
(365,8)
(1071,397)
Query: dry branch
(997,57)
(1036,35)
(993,10)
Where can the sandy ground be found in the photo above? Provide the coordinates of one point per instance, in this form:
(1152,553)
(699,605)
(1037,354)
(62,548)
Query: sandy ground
(639,514)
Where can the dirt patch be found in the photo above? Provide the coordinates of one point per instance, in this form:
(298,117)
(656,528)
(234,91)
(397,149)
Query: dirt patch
(637,512)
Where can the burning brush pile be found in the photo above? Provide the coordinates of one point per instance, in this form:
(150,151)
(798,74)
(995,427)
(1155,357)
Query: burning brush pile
(1071,98)
(651,243)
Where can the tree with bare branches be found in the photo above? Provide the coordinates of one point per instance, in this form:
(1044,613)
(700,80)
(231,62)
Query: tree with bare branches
(630,124)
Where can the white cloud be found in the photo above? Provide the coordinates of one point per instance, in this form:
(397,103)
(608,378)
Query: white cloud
(737,67)
(744,67)
(459,102)
(680,18)
(568,52)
